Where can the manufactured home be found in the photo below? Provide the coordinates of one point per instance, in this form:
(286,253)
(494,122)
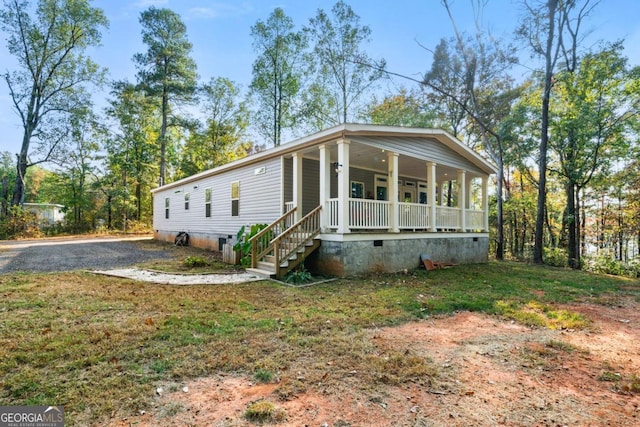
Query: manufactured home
(348,200)
(48,213)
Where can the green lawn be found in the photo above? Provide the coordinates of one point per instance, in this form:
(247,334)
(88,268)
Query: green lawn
(100,346)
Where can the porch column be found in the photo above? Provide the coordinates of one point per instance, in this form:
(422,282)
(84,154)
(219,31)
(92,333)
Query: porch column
(469,192)
(297,185)
(344,186)
(282,181)
(394,175)
(462,198)
(485,201)
(325,187)
(431,189)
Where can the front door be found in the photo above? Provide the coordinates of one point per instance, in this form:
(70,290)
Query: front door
(381,185)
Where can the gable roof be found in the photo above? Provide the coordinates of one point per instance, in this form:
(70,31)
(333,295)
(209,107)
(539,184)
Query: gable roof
(346,131)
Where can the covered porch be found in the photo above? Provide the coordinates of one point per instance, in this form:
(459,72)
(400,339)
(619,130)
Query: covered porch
(388,185)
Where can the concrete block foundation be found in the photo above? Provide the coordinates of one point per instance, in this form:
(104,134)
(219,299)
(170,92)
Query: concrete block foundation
(376,255)
(209,241)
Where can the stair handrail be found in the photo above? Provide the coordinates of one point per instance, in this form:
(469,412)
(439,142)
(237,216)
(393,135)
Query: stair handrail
(309,224)
(258,253)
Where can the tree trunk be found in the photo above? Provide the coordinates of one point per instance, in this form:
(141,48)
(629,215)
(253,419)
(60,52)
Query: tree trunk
(578,220)
(544,134)
(499,214)
(570,221)
(525,221)
(583,230)
(21,169)
(514,244)
(109,213)
(163,136)
(138,201)
(4,197)
(602,223)
(620,233)
(552,238)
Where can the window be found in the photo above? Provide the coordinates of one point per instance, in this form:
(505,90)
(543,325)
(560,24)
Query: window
(207,202)
(235,198)
(166,207)
(408,192)
(422,193)
(381,187)
(187,197)
(357,190)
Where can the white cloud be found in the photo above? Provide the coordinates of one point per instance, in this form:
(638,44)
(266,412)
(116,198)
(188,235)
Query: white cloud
(143,4)
(220,9)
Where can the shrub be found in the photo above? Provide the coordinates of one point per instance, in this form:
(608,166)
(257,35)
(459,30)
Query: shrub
(556,257)
(243,244)
(19,223)
(606,264)
(299,275)
(195,261)
(138,227)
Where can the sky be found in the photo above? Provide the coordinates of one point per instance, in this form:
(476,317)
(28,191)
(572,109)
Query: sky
(402,33)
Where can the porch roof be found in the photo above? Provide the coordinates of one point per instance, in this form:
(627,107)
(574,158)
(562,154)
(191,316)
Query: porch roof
(415,146)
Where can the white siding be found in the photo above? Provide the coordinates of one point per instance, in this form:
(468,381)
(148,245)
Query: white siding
(259,201)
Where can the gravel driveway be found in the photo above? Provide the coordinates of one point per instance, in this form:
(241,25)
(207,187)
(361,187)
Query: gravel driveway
(51,255)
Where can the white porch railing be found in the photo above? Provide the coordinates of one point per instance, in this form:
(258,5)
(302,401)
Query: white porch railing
(474,219)
(368,214)
(413,216)
(448,218)
(332,205)
(287,207)
(374,215)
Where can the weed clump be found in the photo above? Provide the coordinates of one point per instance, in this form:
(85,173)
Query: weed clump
(195,261)
(263,376)
(264,411)
(299,276)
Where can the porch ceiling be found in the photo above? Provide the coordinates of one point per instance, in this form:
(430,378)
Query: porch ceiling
(363,156)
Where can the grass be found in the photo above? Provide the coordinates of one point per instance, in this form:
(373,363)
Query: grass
(100,345)
(186,260)
(264,411)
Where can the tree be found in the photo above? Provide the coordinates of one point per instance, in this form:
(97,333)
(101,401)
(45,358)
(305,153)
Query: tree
(590,107)
(166,70)
(7,175)
(403,109)
(53,68)
(486,95)
(551,28)
(277,73)
(452,100)
(76,163)
(131,152)
(344,72)
(221,138)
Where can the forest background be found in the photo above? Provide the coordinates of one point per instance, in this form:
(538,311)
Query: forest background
(563,132)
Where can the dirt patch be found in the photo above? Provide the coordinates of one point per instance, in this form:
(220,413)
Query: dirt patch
(491,372)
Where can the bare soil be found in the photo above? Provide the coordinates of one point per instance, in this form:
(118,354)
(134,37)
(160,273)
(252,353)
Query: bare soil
(491,372)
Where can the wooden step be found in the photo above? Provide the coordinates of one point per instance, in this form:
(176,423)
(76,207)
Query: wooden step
(265,265)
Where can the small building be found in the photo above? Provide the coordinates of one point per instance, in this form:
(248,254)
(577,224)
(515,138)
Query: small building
(48,213)
(348,200)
